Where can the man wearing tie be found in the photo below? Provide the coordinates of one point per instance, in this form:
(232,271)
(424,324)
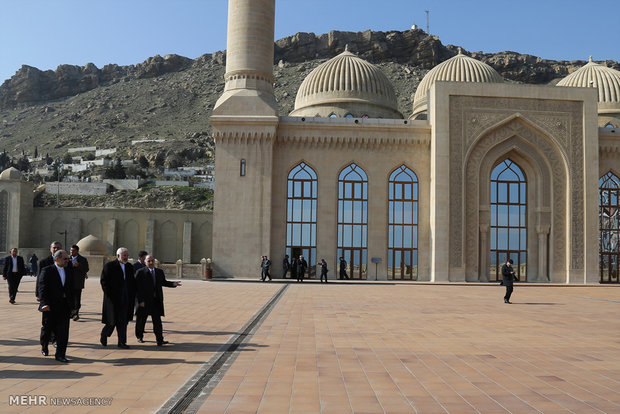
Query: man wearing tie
(56,303)
(14,269)
(119,287)
(150,295)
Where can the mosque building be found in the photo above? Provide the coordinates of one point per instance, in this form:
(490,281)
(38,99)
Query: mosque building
(481,171)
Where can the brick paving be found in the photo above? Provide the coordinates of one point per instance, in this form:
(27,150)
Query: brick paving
(336,348)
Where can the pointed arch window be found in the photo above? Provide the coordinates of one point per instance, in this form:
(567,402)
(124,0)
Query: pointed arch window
(301,206)
(403,224)
(508,219)
(353,220)
(609,229)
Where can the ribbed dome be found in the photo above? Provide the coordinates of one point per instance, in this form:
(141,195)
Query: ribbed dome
(11,173)
(345,85)
(459,68)
(594,75)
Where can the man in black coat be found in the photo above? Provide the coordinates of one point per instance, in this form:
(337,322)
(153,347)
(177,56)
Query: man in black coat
(119,289)
(48,261)
(508,276)
(150,295)
(302,265)
(343,269)
(324,270)
(14,269)
(80,270)
(56,303)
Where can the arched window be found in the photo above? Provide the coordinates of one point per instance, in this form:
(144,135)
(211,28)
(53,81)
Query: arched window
(508,219)
(4,220)
(403,224)
(353,220)
(332,115)
(349,116)
(609,230)
(301,205)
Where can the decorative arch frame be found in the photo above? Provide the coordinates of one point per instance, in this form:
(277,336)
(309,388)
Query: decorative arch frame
(4,220)
(546,168)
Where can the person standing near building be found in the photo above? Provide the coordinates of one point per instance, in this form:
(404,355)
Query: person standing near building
(14,269)
(119,288)
(56,304)
(294,268)
(150,296)
(34,270)
(266,265)
(323,270)
(508,276)
(343,269)
(302,265)
(285,266)
(80,274)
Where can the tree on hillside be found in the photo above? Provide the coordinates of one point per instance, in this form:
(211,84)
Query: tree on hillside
(23,164)
(67,159)
(5,161)
(143,162)
(116,170)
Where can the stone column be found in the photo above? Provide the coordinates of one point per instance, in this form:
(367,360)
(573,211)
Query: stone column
(543,253)
(483,262)
(74,231)
(187,242)
(149,241)
(111,235)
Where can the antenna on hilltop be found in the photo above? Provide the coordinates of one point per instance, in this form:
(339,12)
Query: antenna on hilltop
(428,26)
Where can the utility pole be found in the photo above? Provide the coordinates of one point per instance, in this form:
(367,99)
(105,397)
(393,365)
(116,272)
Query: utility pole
(428,26)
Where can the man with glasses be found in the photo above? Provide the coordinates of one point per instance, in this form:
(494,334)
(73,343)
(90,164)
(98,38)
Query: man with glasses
(56,304)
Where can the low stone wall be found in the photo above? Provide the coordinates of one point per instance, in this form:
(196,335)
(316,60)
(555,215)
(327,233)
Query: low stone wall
(179,270)
(76,188)
(162,183)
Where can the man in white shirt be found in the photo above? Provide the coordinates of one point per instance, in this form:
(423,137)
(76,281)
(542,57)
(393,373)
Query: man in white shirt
(14,269)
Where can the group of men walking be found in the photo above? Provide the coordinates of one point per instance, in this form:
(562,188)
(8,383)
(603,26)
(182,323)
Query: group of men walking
(59,285)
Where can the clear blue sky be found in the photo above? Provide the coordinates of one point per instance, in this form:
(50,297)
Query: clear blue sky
(47,33)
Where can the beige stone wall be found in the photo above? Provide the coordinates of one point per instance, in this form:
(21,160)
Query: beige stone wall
(160,232)
(330,145)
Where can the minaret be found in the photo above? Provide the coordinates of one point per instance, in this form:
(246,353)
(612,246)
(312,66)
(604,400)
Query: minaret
(245,122)
(249,60)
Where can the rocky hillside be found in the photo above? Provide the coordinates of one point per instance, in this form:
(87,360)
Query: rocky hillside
(171,97)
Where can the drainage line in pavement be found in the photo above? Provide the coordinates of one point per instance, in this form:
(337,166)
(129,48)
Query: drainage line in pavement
(201,383)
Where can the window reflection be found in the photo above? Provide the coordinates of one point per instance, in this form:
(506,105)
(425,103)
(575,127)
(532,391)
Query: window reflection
(508,219)
(353,219)
(609,228)
(402,224)
(301,214)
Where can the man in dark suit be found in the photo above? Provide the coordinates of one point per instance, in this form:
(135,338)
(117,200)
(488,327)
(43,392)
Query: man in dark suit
(302,265)
(139,264)
(119,287)
(48,261)
(80,270)
(14,269)
(265,266)
(508,276)
(56,303)
(150,295)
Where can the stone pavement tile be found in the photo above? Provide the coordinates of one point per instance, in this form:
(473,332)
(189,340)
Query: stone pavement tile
(200,318)
(441,348)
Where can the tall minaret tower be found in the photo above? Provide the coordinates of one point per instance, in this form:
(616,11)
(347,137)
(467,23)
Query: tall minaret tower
(249,60)
(245,121)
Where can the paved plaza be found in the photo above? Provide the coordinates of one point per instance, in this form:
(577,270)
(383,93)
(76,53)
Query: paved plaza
(251,347)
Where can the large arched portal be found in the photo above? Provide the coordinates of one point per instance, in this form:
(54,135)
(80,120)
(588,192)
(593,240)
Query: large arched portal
(516,192)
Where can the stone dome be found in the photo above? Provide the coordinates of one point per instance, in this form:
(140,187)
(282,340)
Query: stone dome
(606,80)
(11,174)
(91,245)
(346,86)
(459,68)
